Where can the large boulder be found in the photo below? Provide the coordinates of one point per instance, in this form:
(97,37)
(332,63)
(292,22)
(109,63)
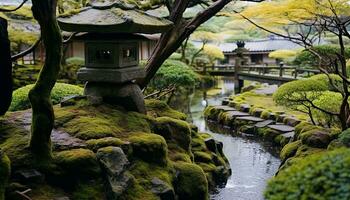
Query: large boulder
(187,175)
(114,164)
(174,131)
(316,138)
(149,147)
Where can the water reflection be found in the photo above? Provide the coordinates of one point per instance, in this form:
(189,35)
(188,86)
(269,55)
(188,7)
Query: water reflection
(251,162)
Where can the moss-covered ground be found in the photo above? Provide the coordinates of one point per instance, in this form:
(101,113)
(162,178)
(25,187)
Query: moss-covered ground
(158,145)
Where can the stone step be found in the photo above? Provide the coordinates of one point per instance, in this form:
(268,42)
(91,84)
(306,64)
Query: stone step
(235,114)
(245,107)
(225,108)
(250,118)
(264,123)
(288,135)
(282,128)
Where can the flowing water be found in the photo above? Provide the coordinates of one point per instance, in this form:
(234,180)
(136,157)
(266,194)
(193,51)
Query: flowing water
(252,161)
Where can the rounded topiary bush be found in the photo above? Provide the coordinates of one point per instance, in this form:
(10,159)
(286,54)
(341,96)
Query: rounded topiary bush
(319,176)
(20,99)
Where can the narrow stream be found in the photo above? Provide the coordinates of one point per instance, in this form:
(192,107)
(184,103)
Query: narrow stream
(252,162)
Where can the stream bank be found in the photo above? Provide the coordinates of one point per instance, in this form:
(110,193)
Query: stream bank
(282,133)
(252,161)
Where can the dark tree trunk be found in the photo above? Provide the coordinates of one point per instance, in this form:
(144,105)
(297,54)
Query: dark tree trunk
(5,69)
(44,12)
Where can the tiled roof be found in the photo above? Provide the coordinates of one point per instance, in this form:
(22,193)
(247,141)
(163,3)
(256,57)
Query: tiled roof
(264,45)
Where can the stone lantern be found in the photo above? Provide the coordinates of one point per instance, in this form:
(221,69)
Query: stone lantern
(112,58)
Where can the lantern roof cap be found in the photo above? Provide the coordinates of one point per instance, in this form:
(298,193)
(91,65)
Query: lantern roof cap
(112,16)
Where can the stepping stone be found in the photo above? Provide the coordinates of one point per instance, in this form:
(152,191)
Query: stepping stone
(234,114)
(245,107)
(63,141)
(291,121)
(257,112)
(288,135)
(250,118)
(282,128)
(225,108)
(281,118)
(225,101)
(30,175)
(264,123)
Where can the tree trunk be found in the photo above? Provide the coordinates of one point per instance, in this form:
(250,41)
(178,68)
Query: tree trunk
(5,69)
(44,12)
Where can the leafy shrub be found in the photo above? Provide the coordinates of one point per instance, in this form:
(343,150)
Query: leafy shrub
(20,99)
(173,72)
(319,176)
(317,90)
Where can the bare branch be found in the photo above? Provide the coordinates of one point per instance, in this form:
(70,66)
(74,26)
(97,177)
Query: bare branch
(14,9)
(27,51)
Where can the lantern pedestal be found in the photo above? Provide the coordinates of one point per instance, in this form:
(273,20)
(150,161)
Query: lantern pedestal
(128,95)
(117,75)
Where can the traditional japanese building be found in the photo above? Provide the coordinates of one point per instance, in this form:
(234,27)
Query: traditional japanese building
(257,51)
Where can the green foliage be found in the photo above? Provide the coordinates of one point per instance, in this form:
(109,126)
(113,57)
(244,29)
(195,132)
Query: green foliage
(285,55)
(315,94)
(173,72)
(323,176)
(20,99)
(327,52)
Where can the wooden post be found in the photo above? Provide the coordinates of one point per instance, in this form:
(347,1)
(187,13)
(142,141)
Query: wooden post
(295,73)
(281,69)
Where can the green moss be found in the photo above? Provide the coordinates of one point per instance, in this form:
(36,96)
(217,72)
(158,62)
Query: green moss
(320,176)
(158,108)
(211,113)
(96,144)
(191,182)
(89,191)
(143,173)
(289,150)
(304,150)
(200,156)
(177,156)
(138,122)
(207,167)
(5,172)
(149,147)
(77,164)
(265,114)
(92,127)
(14,142)
(174,131)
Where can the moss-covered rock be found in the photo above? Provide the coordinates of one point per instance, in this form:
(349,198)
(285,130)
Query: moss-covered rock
(174,131)
(76,164)
(184,184)
(315,138)
(320,176)
(211,113)
(149,147)
(95,144)
(5,172)
(289,150)
(158,108)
